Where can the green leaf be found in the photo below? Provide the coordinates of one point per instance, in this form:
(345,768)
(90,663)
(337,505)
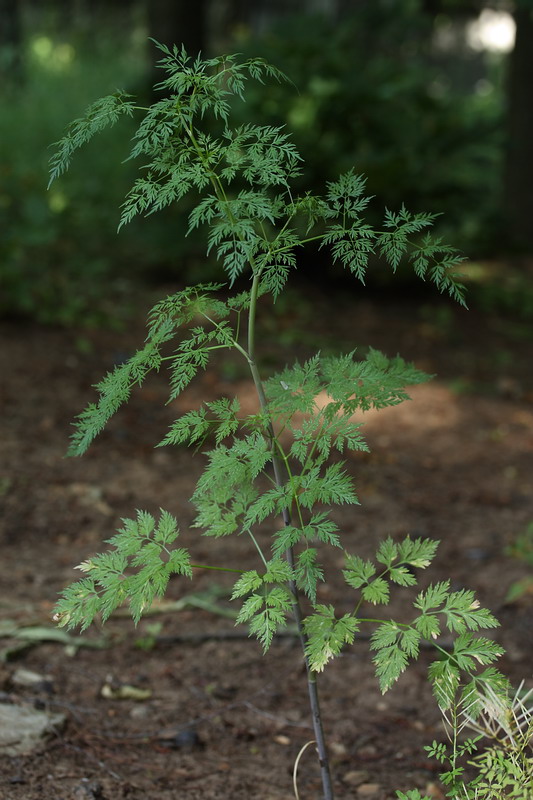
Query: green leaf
(190,428)
(193,354)
(225,413)
(385,635)
(402,576)
(194,426)
(346,195)
(433,597)
(444,677)
(183,306)
(323,529)
(394,243)
(78,605)
(319,528)
(167,530)
(327,635)
(428,626)
(294,390)
(248,582)
(432,258)
(99,115)
(114,390)
(394,644)
(352,246)
(418,553)
(437,750)
(137,570)
(376,592)
(463,612)
(358,572)
(270,502)
(334,486)
(286,538)
(266,613)
(308,572)
(250,607)
(278,571)
(375,382)
(225,495)
(469,649)
(390,663)
(387,552)
(410,642)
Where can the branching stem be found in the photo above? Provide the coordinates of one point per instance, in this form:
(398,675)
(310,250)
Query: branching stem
(289,555)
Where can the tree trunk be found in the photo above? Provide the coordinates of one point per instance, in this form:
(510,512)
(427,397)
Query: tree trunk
(179,22)
(518,179)
(10,41)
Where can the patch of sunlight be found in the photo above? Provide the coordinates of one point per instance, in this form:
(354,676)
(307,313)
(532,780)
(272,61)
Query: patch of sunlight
(42,47)
(493,31)
(483,87)
(431,406)
(57,200)
(51,56)
(303,112)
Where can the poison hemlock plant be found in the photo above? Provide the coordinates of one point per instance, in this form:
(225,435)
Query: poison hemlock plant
(255,226)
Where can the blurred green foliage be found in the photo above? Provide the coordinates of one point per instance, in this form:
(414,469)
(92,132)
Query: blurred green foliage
(60,258)
(522,548)
(375,90)
(397,93)
(56,253)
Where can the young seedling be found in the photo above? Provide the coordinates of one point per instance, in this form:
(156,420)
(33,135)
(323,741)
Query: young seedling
(255,225)
(503,768)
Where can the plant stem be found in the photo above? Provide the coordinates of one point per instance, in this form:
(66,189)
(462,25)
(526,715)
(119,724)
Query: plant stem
(220,569)
(278,477)
(312,686)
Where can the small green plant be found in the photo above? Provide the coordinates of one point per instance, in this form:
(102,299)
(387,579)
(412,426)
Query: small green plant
(282,461)
(504,767)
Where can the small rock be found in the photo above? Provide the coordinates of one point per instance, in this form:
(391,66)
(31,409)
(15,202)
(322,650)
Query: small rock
(355,777)
(26,677)
(140,712)
(368,789)
(23,729)
(282,739)
(88,790)
(185,739)
(432,790)
(368,752)
(338,749)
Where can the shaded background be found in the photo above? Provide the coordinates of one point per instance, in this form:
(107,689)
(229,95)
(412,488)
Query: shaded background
(430,99)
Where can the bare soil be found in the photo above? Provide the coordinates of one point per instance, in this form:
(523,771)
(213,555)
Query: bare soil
(215,718)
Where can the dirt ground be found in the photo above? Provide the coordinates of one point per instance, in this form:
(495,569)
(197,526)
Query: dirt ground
(215,719)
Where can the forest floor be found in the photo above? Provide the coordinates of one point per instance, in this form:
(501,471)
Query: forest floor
(209,716)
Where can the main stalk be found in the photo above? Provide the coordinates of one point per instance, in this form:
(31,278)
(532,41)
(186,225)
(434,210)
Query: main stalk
(312,686)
